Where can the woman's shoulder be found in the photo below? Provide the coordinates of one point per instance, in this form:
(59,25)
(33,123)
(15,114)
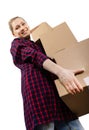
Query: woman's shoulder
(15,43)
(16,40)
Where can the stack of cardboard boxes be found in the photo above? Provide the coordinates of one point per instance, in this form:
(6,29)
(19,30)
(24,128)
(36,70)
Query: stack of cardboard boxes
(60,44)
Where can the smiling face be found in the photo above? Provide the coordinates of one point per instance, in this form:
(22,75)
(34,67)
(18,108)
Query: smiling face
(20,28)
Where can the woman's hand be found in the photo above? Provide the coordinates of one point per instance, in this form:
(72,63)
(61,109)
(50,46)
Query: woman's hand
(69,80)
(66,77)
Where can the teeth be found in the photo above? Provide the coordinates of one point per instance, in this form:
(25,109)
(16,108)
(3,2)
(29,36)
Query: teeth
(23,32)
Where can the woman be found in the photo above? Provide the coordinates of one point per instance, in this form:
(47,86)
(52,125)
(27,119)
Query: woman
(43,108)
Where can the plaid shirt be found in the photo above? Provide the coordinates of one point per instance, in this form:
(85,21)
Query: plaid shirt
(41,101)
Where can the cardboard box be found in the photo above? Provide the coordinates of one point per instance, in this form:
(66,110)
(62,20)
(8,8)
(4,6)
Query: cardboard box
(54,39)
(59,38)
(40,30)
(60,43)
(75,57)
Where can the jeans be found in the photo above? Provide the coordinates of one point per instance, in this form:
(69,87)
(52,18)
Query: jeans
(71,125)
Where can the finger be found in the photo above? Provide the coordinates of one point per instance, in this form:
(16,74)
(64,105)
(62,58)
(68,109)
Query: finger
(78,71)
(70,89)
(79,86)
(70,86)
(75,88)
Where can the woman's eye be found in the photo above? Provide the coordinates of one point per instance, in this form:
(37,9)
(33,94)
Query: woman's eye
(17,27)
(23,24)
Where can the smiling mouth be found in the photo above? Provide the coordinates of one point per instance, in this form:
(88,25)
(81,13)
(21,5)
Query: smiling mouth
(24,31)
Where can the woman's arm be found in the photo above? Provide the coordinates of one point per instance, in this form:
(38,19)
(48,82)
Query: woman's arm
(66,77)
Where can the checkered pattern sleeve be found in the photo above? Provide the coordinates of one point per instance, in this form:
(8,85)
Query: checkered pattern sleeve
(34,56)
(28,53)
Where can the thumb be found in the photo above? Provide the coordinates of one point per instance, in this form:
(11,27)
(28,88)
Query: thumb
(78,71)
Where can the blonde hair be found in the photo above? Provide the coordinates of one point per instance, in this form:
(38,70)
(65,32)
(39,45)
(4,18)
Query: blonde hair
(11,20)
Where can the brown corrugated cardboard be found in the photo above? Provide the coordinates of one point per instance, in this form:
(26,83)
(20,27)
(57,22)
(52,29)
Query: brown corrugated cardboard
(57,39)
(75,57)
(40,30)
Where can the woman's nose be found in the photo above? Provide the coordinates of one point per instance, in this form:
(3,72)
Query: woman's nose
(22,28)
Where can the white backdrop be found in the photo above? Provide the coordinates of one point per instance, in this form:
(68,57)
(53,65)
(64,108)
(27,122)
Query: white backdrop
(54,12)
